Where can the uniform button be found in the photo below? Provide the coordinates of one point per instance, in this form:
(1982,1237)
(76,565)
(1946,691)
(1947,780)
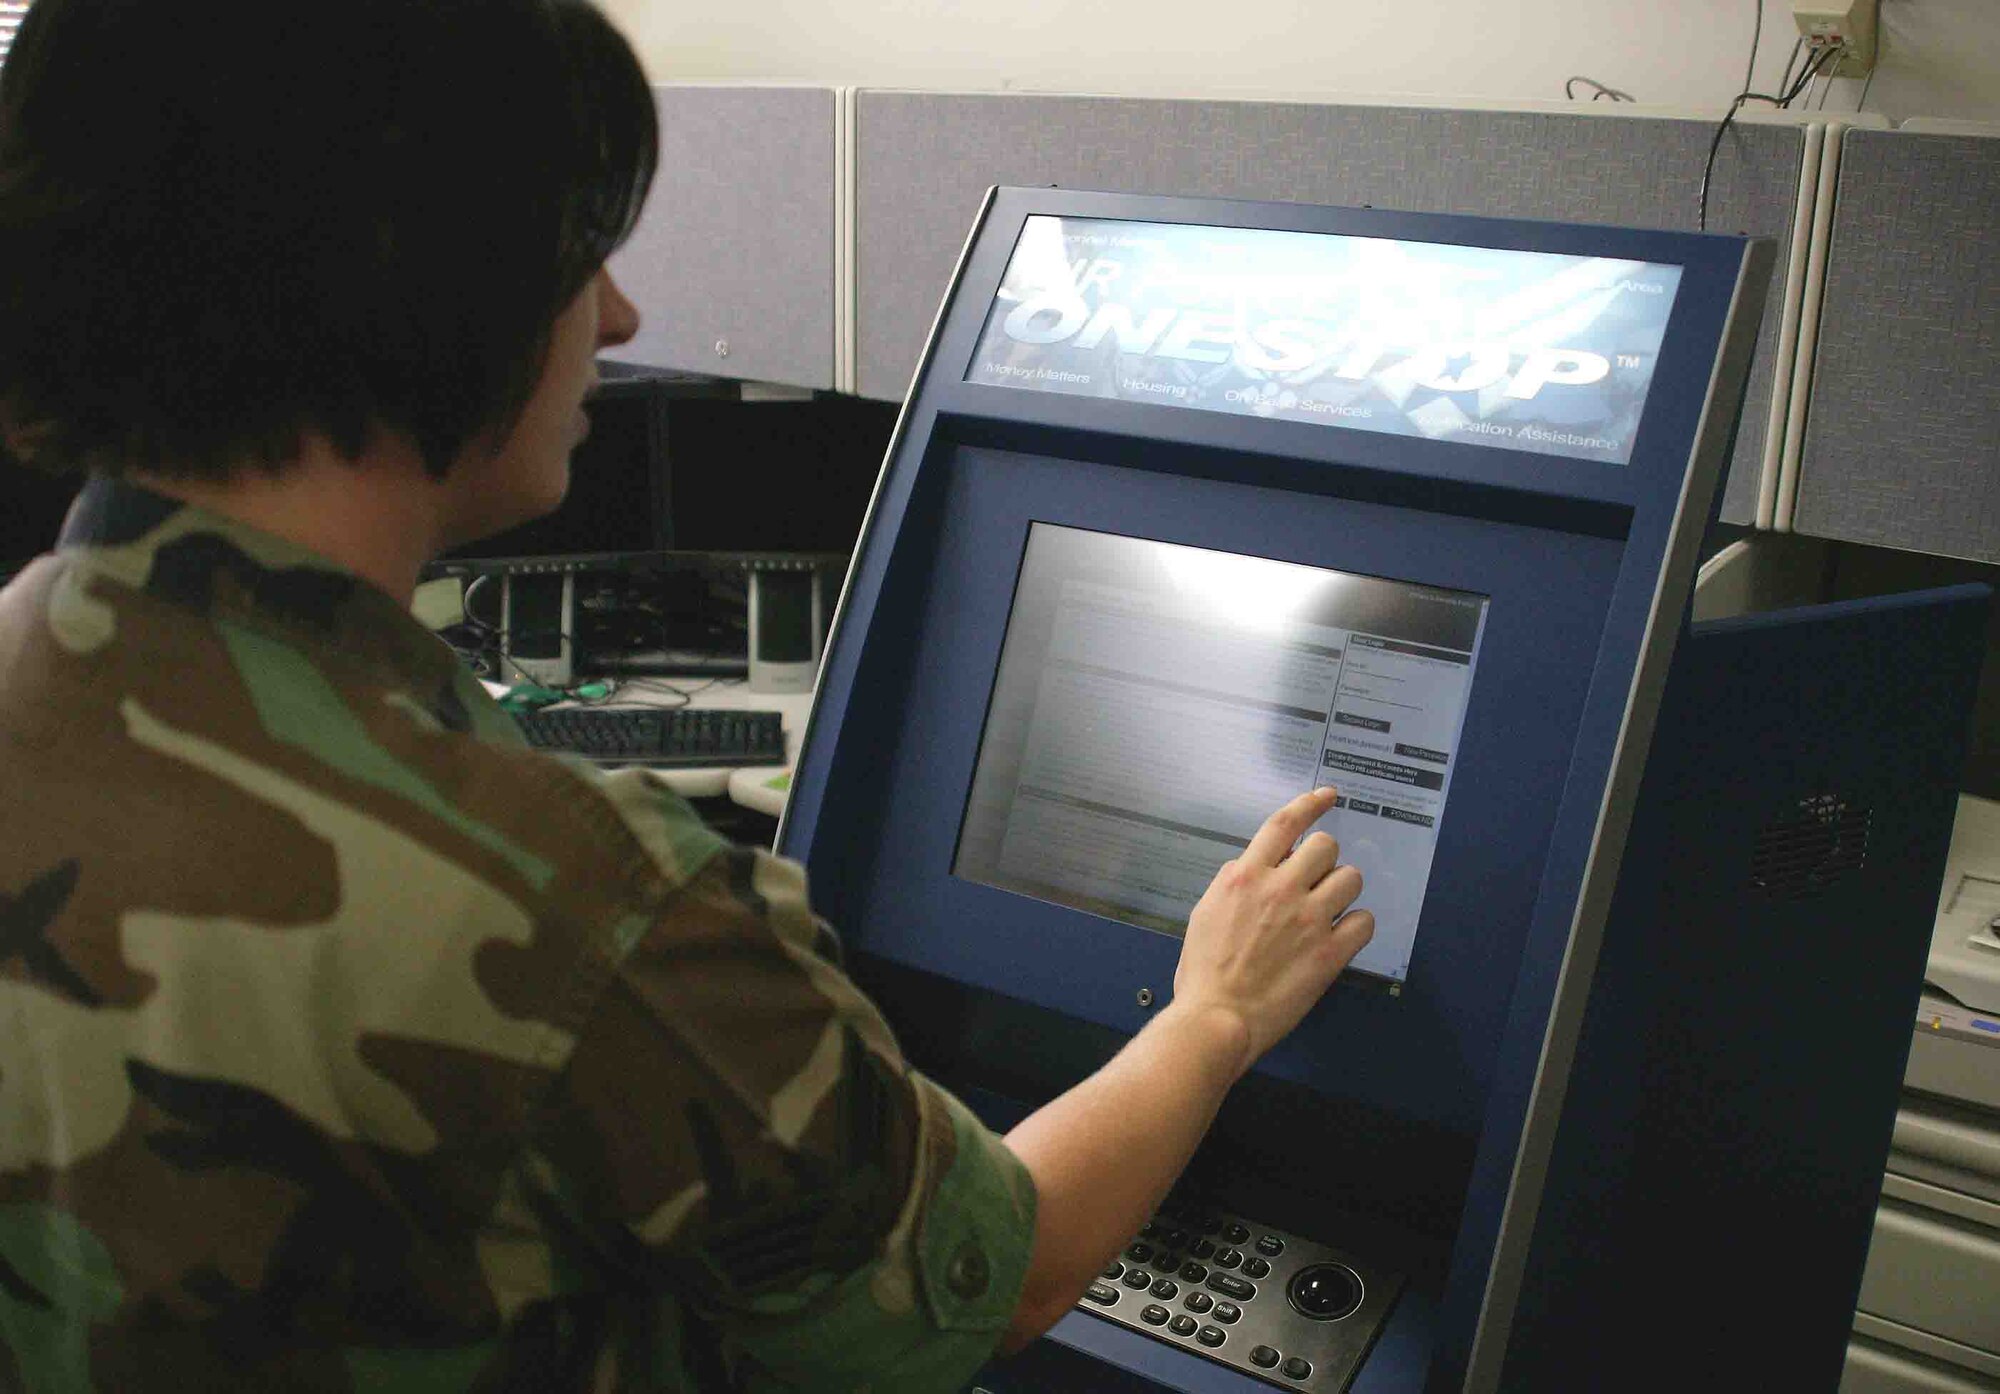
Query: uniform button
(1153,1314)
(1235,1234)
(1198,1302)
(1228,1258)
(1183,1325)
(1114,1271)
(1263,1357)
(968,1273)
(1297,1368)
(1176,1239)
(1193,1271)
(1256,1268)
(1227,1312)
(1137,1278)
(1166,1289)
(1211,1336)
(1103,1294)
(1201,1248)
(1139,1253)
(1270,1245)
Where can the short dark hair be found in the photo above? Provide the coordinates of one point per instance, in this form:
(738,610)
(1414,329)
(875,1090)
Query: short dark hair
(227,222)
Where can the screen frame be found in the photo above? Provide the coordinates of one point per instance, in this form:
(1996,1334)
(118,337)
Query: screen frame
(1439,1036)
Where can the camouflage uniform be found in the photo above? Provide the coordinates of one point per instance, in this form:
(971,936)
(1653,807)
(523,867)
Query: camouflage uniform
(347,1044)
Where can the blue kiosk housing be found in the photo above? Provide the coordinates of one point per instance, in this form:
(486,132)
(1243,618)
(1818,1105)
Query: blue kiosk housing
(1197,504)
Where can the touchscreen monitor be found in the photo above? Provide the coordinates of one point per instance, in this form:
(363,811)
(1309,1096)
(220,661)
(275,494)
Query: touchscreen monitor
(1154,703)
(1485,346)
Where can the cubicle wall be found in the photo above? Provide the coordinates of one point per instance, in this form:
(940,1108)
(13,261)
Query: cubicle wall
(733,264)
(1902,433)
(922,162)
(805,235)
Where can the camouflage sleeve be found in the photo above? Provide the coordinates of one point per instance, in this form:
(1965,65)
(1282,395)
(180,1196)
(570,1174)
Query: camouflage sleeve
(827,1218)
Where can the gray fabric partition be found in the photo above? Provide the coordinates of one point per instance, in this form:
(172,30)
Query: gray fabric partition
(737,243)
(923,162)
(1902,441)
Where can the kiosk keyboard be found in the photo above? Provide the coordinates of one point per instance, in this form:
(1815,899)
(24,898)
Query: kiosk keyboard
(1295,1313)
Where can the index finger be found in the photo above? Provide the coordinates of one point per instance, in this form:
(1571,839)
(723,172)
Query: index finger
(1273,842)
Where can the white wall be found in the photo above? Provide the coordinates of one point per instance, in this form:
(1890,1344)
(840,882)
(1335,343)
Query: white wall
(1940,57)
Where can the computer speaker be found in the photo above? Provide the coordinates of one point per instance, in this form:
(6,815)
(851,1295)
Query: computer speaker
(791,606)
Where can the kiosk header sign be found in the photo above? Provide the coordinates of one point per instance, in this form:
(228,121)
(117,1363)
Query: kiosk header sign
(1534,351)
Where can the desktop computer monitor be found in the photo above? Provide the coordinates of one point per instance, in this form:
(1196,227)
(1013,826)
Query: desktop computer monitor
(619,499)
(681,463)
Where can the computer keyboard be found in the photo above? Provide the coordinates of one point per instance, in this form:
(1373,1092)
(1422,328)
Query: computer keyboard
(662,737)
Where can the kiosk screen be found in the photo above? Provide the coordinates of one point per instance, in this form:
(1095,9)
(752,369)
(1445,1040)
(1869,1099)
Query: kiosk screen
(1154,703)
(1486,346)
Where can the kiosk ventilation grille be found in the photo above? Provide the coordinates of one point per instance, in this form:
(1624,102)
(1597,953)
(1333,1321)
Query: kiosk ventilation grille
(1812,848)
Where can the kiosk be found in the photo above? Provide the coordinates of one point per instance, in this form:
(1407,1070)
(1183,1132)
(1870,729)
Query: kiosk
(1196,505)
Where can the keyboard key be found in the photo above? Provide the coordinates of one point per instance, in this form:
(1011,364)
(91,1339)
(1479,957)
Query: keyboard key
(1228,1258)
(1270,1245)
(1227,1312)
(1264,1357)
(1297,1368)
(1256,1268)
(1153,1314)
(1211,1336)
(1183,1325)
(1198,1302)
(1101,1293)
(1229,1285)
(1235,1234)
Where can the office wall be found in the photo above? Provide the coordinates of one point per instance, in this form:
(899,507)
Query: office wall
(1940,57)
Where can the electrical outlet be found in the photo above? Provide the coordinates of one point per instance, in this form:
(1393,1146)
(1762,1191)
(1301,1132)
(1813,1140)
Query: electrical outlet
(1850,23)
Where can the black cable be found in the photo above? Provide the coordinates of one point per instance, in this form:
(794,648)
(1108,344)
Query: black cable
(1756,37)
(1862,100)
(1797,49)
(1819,60)
(1569,89)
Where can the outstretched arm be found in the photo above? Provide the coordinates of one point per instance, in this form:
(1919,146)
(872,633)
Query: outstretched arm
(1267,939)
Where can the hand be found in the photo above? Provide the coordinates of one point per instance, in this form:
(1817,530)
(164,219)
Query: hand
(1274,928)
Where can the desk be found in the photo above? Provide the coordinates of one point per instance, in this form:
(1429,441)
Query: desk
(747,785)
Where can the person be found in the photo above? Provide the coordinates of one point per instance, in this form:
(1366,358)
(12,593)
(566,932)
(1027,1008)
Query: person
(345,1043)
